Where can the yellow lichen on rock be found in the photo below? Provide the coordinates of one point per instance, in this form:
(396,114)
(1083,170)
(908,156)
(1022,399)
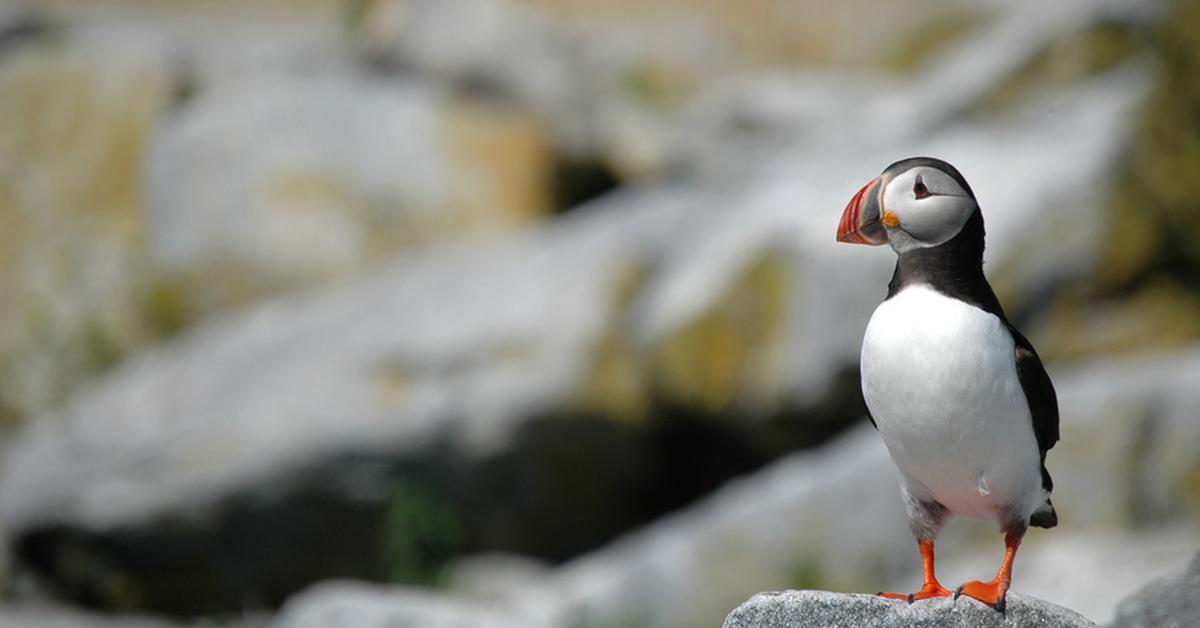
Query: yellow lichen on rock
(78,123)
(1141,295)
(1066,61)
(313,204)
(504,157)
(392,382)
(942,29)
(615,383)
(1157,316)
(725,355)
(73,125)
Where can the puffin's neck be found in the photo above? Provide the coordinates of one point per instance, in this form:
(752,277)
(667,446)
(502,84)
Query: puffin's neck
(954,268)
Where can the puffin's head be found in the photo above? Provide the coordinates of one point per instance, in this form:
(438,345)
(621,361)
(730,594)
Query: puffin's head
(918,202)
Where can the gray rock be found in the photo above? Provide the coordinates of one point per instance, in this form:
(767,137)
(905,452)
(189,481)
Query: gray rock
(210,48)
(496,577)
(288,176)
(1170,602)
(292,181)
(373,606)
(489,45)
(52,617)
(820,609)
(781,109)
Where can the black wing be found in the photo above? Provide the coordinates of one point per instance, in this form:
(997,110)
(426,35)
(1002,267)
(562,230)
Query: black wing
(1039,392)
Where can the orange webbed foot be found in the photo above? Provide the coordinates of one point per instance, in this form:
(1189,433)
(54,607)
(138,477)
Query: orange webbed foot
(991,593)
(929,590)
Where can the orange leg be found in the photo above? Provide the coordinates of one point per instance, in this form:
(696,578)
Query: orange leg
(992,593)
(931,587)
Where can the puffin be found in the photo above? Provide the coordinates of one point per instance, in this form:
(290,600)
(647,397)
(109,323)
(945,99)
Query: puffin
(958,395)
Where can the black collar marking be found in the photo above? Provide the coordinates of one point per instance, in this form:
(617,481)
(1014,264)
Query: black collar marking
(953,268)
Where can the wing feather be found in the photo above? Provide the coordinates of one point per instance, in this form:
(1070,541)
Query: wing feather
(1039,393)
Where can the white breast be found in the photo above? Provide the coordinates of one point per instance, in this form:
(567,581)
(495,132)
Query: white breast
(939,377)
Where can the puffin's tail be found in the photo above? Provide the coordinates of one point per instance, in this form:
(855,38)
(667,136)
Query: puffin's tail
(1044,516)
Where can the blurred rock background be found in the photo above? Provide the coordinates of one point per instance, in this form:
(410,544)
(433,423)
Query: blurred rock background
(529,313)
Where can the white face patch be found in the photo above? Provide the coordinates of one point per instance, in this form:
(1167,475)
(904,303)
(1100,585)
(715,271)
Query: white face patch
(930,205)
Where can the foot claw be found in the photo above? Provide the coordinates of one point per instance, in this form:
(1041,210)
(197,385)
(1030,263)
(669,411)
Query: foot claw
(991,593)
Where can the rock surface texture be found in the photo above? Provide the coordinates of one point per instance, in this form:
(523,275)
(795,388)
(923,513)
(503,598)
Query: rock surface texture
(801,609)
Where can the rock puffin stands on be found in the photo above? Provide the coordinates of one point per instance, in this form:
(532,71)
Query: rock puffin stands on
(819,609)
(1170,601)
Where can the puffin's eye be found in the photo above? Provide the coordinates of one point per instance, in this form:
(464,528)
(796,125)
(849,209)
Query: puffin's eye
(919,189)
